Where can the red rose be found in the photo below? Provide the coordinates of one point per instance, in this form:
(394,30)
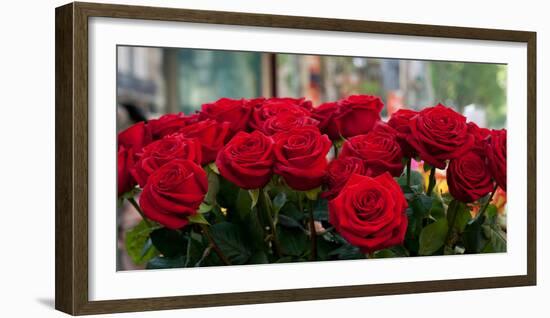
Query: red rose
(370,212)
(438,134)
(496,156)
(285,122)
(130,141)
(325,113)
(339,171)
(357,114)
(135,137)
(300,102)
(211,136)
(247,160)
(273,106)
(300,156)
(162,151)
(400,122)
(379,150)
(234,111)
(468,177)
(169,124)
(125,162)
(173,193)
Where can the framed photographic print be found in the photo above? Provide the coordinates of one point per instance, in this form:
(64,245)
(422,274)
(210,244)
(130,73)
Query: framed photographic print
(211,158)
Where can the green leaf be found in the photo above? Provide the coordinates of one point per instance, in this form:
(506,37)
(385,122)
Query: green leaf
(293,241)
(204,208)
(214,167)
(136,243)
(433,237)
(168,242)
(396,251)
(230,240)
(259,257)
(289,222)
(244,203)
(197,218)
(437,209)
(254,195)
(213,188)
(496,239)
(313,193)
(421,205)
(278,202)
(458,215)
(347,252)
(320,210)
(291,210)
(160,262)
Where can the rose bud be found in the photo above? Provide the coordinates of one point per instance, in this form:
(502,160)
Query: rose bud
(173,193)
(247,160)
(370,212)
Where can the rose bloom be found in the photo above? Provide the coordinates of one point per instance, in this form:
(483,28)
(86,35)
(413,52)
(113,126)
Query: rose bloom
(496,156)
(162,151)
(300,157)
(173,193)
(325,113)
(468,177)
(234,111)
(130,142)
(378,149)
(400,122)
(338,172)
(265,109)
(247,160)
(370,212)
(357,114)
(211,135)
(439,134)
(285,122)
(169,124)
(480,137)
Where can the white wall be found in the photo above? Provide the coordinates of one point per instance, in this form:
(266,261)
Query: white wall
(27,157)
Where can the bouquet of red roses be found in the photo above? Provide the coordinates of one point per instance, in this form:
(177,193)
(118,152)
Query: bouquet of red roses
(253,181)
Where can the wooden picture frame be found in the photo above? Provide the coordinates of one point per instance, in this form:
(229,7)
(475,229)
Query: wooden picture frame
(71,124)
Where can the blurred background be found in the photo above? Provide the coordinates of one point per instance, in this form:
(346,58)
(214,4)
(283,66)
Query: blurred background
(155,81)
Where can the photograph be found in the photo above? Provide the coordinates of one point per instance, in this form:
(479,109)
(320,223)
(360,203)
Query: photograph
(250,158)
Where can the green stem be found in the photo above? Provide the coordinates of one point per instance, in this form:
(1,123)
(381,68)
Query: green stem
(486,205)
(335,147)
(215,246)
(313,233)
(431,184)
(138,209)
(267,208)
(409,172)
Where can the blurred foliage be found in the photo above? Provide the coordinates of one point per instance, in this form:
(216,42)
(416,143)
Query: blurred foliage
(461,84)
